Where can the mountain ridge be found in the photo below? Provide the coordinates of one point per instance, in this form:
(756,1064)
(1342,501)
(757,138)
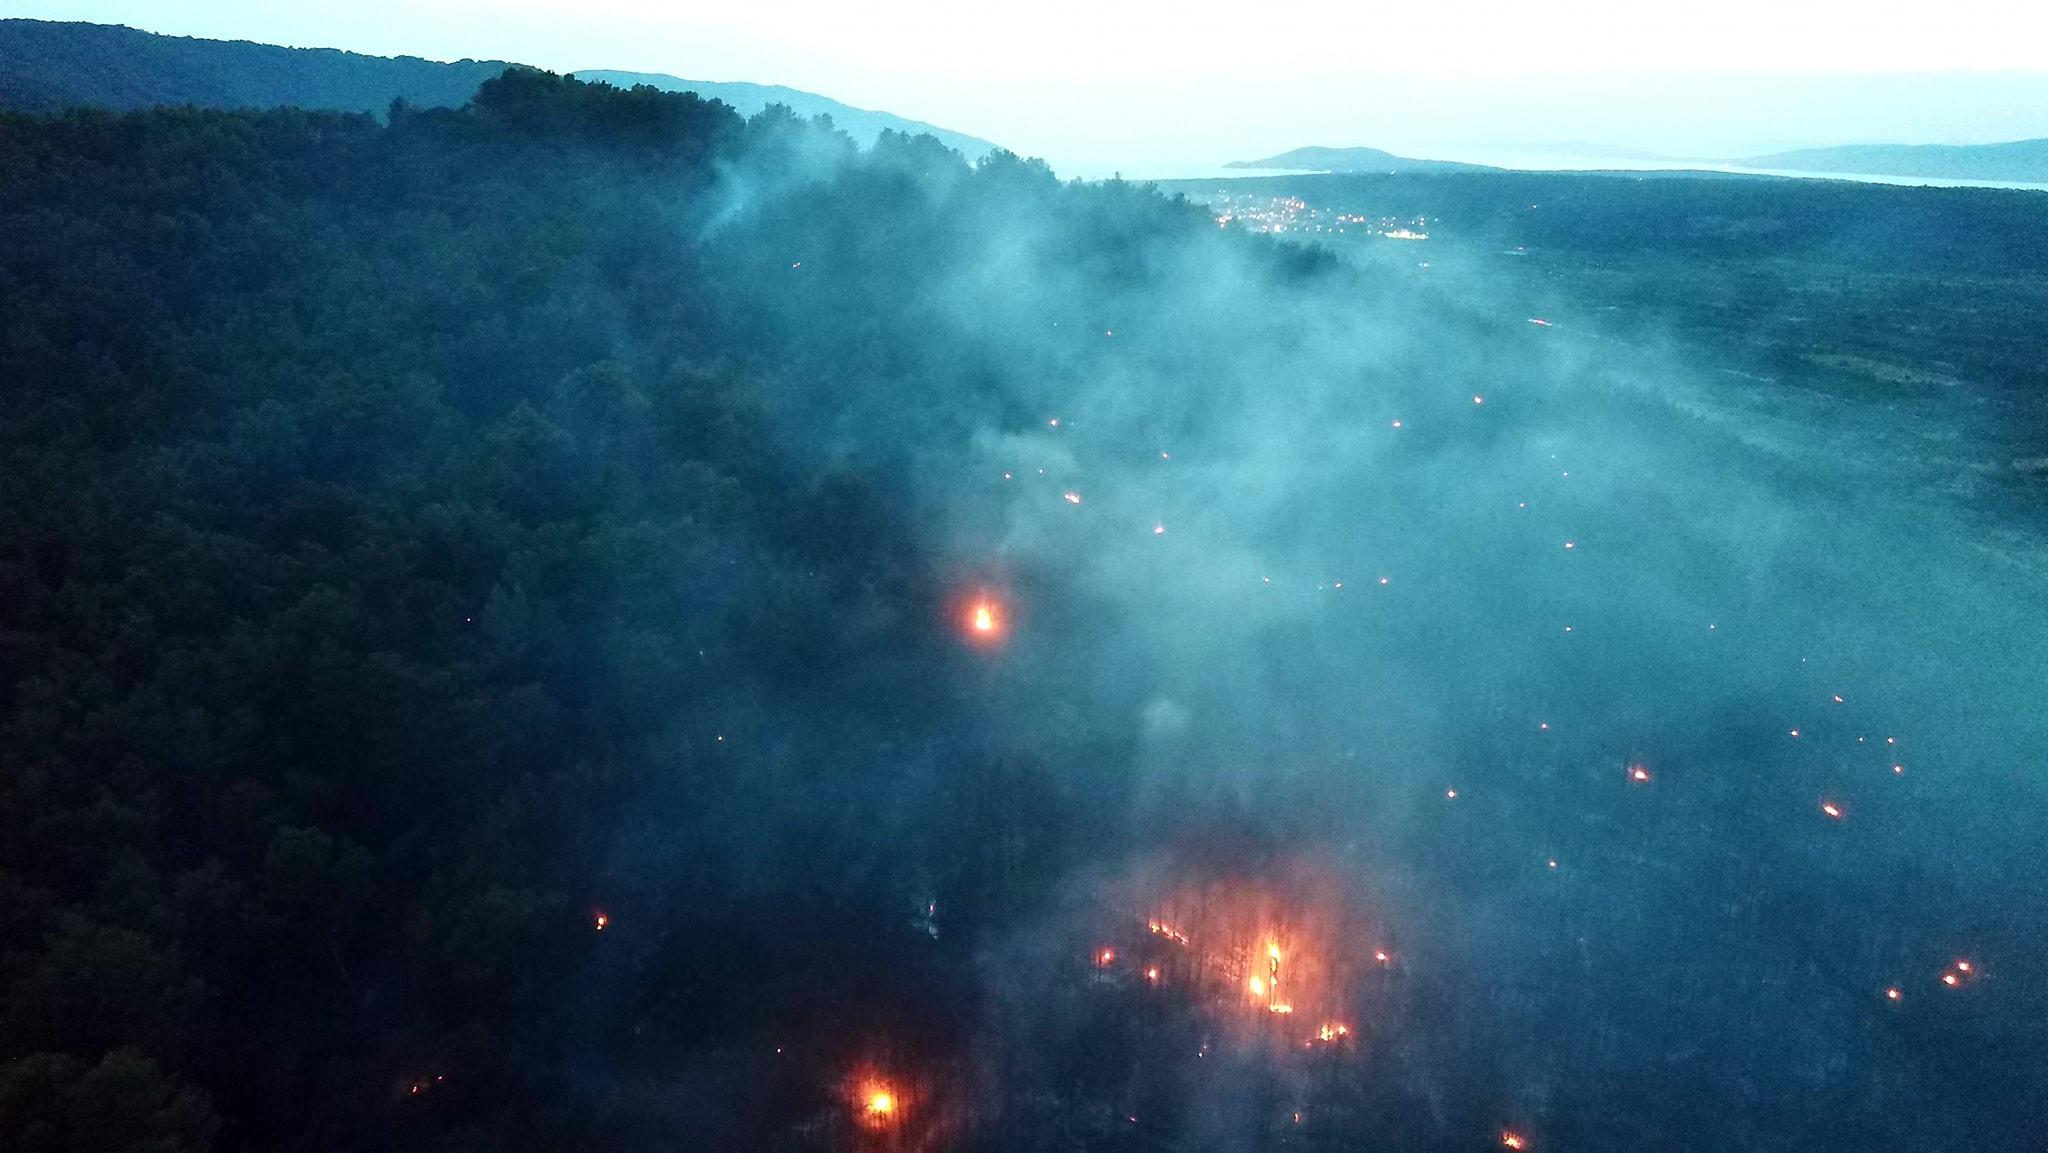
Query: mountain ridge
(863,125)
(48,65)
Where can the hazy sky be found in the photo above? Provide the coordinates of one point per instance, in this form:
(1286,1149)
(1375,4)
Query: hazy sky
(1158,85)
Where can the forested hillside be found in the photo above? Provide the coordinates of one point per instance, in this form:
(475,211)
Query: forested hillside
(398,570)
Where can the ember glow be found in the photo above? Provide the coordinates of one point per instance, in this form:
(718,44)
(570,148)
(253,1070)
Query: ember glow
(1278,947)
(1161,929)
(983,621)
(875,1101)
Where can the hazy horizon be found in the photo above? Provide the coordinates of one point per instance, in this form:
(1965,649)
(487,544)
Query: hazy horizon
(1138,90)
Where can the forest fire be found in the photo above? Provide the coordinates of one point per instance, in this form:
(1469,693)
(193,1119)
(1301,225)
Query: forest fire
(982,620)
(876,1102)
(393,527)
(1168,932)
(1249,954)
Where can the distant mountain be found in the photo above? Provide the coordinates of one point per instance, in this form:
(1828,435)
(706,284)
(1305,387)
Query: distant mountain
(746,99)
(1313,159)
(2019,160)
(46,66)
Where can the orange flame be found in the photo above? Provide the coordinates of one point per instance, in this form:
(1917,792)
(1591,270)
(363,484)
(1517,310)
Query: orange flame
(983,621)
(876,1103)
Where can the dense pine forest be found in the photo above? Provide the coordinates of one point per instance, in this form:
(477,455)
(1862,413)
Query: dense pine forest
(401,566)
(488,661)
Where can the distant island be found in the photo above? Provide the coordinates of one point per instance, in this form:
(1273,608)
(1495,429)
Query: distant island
(2024,161)
(861,124)
(2019,161)
(1352,160)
